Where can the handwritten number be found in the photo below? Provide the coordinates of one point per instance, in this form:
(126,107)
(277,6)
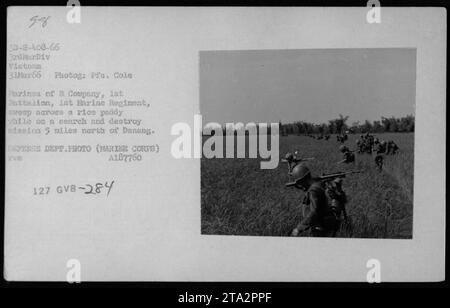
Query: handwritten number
(36,19)
(97,189)
(89,191)
(109,187)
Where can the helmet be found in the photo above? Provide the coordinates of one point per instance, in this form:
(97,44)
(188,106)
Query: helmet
(299,172)
(289,156)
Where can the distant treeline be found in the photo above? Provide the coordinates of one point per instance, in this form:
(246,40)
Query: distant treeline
(339,125)
(335,126)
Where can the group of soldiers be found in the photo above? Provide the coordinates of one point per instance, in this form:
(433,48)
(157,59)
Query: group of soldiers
(370,144)
(319,137)
(342,137)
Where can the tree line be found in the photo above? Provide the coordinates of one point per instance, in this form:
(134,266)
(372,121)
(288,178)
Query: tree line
(339,125)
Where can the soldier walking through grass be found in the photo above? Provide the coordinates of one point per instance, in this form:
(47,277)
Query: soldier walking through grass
(379,149)
(338,201)
(392,147)
(349,156)
(321,220)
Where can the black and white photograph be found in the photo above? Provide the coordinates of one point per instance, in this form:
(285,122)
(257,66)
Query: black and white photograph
(346,142)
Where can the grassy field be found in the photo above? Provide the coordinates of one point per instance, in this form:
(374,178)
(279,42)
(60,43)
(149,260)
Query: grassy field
(239,198)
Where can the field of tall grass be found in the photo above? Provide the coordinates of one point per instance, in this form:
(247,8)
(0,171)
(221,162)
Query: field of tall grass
(239,198)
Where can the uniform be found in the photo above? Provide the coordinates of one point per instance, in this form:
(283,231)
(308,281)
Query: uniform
(349,157)
(379,161)
(394,147)
(321,218)
(292,160)
(338,200)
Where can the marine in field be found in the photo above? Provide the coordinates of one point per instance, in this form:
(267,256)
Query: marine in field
(382,147)
(392,148)
(379,161)
(348,156)
(289,159)
(342,137)
(370,140)
(379,148)
(293,159)
(321,219)
(338,199)
(368,144)
(395,148)
(358,146)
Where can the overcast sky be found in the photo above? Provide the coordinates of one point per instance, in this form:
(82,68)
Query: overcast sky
(313,85)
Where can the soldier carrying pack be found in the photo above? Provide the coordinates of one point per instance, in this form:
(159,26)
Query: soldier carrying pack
(323,219)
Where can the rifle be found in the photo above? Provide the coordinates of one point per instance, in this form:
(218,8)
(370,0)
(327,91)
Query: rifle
(296,160)
(325,177)
(328,177)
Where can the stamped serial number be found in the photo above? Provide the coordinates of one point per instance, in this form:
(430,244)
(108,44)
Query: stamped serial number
(88,189)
